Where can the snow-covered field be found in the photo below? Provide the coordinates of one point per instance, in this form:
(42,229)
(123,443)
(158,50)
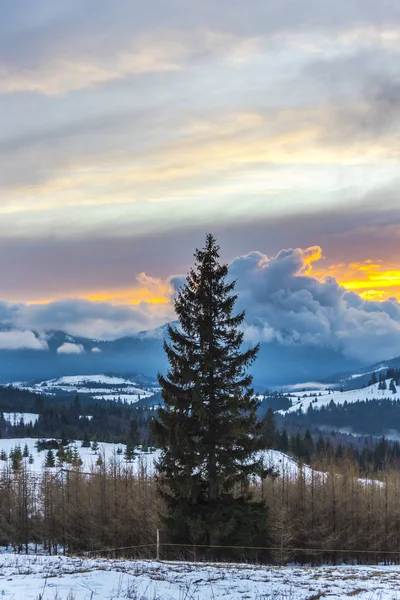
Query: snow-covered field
(15,418)
(88,457)
(281,463)
(102,387)
(64,578)
(319,398)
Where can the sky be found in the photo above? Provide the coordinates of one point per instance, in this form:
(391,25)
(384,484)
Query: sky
(129,130)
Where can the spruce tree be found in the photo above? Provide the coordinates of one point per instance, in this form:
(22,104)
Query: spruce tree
(208,429)
(50,460)
(129,454)
(86,440)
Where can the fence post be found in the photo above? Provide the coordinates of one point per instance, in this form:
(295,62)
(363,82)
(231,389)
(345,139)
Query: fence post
(158,544)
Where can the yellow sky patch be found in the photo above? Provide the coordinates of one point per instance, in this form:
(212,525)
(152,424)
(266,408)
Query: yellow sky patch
(372,280)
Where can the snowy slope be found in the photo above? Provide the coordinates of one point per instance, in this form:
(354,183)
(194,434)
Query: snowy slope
(88,457)
(317,399)
(101,387)
(61,577)
(281,463)
(286,466)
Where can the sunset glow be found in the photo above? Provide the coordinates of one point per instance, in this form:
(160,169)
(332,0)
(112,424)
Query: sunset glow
(371,280)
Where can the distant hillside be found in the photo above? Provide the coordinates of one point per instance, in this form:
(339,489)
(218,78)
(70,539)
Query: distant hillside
(351,380)
(373,410)
(99,387)
(317,399)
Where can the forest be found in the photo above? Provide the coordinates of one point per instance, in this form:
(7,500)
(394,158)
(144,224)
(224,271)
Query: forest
(75,418)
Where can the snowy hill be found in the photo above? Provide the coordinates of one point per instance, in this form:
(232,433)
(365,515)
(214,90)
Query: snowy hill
(89,458)
(281,463)
(319,398)
(144,462)
(100,387)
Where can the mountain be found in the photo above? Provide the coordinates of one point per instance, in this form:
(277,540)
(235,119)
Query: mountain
(352,380)
(322,398)
(67,355)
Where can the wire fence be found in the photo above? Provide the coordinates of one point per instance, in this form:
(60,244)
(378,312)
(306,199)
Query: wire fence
(204,551)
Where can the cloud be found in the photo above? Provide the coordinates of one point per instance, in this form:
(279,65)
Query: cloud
(69,348)
(285,303)
(103,264)
(21,340)
(142,118)
(100,320)
(96,350)
(288,298)
(148,52)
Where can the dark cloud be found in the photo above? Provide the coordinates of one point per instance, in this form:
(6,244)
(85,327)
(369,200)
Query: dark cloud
(362,91)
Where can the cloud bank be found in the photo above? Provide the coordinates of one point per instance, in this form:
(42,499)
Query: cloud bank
(285,303)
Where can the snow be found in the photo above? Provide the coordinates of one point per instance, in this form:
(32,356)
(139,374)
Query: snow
(129,398)
(15,418)
(355,375)
(316,401)
(287,466)
(280,462)
(297,387)
(88,457)
(32,577)
(117,387)
(81,379)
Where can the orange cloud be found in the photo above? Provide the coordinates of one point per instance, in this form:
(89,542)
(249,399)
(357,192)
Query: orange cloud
(126,296)
(145,289)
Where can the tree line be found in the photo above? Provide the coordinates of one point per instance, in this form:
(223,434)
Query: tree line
(369,454)
(374,416)
(116,422)
(327,515)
